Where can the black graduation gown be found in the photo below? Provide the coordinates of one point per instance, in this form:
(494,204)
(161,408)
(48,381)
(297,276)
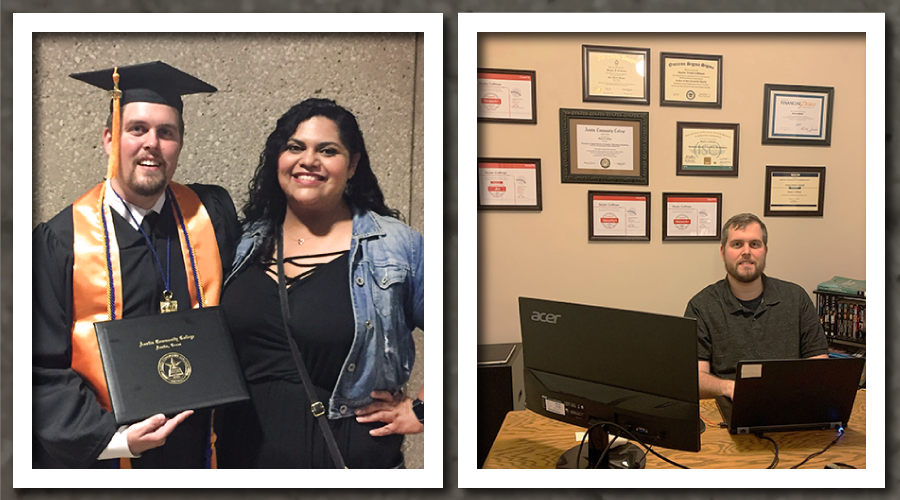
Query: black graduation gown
(70,429)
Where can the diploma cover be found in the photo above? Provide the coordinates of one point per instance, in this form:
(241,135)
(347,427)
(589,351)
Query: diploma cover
(168,363)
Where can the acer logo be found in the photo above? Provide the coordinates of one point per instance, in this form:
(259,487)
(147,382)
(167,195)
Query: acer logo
(545,317)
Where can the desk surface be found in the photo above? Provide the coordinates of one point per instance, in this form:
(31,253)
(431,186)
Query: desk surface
(530,441)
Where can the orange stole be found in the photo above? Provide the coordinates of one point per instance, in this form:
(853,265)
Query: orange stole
(92,296)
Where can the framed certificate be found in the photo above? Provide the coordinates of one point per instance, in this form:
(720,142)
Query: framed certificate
(707,148)
(618,216)
(509,184)
(797,115)
(692,216)
(507,96)
(690,80)
(795,191)
(604,147)
(615,74)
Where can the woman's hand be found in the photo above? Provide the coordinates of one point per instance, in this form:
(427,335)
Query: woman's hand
(395,410)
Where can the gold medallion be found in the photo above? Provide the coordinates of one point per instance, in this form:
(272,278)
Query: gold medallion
(174,368)
(168,305)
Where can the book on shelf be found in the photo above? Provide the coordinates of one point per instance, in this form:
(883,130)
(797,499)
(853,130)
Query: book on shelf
(844,286)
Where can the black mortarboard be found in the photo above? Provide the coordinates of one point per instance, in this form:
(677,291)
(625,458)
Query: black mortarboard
(155,82)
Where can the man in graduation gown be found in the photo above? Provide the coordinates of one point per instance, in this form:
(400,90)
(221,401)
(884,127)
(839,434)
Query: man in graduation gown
(122,250)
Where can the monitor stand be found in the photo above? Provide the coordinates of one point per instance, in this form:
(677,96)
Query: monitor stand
(627,456)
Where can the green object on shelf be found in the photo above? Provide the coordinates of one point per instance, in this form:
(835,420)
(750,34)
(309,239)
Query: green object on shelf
(846,286)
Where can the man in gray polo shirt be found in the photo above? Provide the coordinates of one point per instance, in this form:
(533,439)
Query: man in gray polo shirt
(749,315)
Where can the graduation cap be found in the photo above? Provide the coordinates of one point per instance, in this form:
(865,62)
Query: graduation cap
(154,82)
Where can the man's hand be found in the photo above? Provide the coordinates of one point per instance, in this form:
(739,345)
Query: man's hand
(152,432)
(712,386)
(395,410)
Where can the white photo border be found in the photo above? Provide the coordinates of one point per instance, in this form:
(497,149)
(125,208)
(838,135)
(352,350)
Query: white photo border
(469,25)
(24,26)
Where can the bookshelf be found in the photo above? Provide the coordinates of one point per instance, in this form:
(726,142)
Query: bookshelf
(844,319)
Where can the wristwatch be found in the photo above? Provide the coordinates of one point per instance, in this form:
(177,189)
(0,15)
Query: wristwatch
(418,407)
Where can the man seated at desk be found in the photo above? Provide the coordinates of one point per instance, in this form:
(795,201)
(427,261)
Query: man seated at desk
(748,315)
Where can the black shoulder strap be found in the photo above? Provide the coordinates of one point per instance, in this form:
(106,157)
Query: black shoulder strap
(317,408)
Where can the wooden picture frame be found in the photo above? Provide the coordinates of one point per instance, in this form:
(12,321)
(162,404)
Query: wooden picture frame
(797,115)
(707,148)
(692,216)
(618,216)
(615,74)
(690,80)
(509,184)
(604,147)
(794,191)
(507,96)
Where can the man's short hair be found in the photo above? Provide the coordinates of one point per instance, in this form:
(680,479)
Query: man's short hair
(180,123)
(740,221)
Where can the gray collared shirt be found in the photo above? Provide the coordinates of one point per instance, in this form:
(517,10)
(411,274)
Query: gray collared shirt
(785,326)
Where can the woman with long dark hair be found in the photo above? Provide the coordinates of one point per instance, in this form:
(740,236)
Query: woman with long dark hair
(354,281)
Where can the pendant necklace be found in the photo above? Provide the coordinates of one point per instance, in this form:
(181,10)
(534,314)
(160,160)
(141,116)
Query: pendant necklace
(167,304)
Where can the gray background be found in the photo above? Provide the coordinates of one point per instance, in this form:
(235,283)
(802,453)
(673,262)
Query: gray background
(450,8)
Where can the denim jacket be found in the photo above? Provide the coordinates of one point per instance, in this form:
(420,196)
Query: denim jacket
(387,289)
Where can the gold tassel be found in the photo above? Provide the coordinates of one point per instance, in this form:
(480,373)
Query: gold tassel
(116,94)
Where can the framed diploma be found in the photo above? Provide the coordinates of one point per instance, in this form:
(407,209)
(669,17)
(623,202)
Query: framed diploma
(707,148)
(507,96)
(509,184)
(692,216)
(618,216)
(690,80)
(604,147)
(795,191)
(797,115)
(615,74)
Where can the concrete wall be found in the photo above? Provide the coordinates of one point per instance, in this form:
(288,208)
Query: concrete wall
(547,254)
(379,77)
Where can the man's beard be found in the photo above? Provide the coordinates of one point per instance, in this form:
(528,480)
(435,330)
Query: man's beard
(146,185)
(732,270)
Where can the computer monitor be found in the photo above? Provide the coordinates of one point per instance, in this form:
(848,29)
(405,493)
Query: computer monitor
(588,364)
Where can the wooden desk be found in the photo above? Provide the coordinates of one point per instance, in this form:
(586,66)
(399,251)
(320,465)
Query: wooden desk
(530,441)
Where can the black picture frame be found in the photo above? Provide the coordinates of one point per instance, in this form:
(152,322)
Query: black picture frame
(593,230)
(779,131)
(615,54)
(675,60)
(707,151)
(688,199)
(783,210)
(572,172)
(524,74)
(513,162)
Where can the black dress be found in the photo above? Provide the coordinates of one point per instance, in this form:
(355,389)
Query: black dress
(276,429)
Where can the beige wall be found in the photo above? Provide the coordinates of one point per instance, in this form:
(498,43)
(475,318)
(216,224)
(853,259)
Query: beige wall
(259,76)
(547,254)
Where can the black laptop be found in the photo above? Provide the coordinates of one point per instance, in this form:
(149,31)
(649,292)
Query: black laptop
(792,395)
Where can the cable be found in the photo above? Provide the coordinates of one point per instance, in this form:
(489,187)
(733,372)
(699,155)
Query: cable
(639,441)
(774,460)
(644,457)
(840,434)
(709,422)
(581,446)
(605,450)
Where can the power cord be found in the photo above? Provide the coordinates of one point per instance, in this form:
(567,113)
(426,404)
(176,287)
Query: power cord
(840,434)
(774,460)
(637,440)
